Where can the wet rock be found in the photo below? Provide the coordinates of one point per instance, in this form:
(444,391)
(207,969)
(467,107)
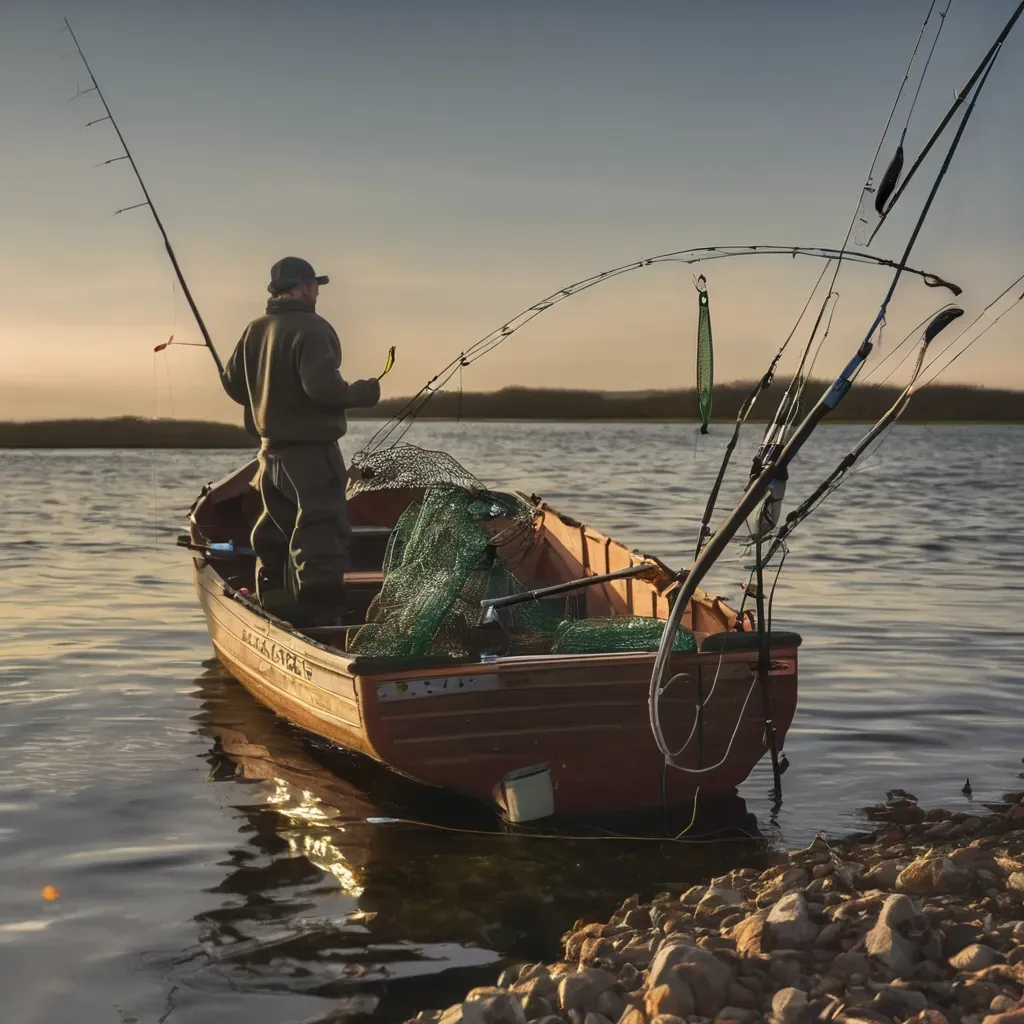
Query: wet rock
(975,958)
(596,949)
(884,875)
(1003,1004)
(829,936)
(580,991)
(789,1006)
(956,937)
(667,1018)
(850,874)
(1016,881)
(610,1004)
(741,996)
(748,934)
(672,1000)
(486,1006)
(536,995)
(597,1018)
(693,896)
(786,967)
(630,978)
(631,1015)
(716,900)
(788,925)
(846,965)
(737,1013)
(904,1001)
(708,978)
(510,975)
(885,943)
(931,1016)
(637,918)
(932,877)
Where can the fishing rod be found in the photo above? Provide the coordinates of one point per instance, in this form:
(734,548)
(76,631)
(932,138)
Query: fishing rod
(938,324)
(491,604)
(781,424)
(127,155)
(408,412)
(759,487)
(883,208)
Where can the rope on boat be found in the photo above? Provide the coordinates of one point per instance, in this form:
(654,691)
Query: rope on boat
(744,837)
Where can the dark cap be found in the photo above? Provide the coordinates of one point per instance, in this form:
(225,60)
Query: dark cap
(292,271)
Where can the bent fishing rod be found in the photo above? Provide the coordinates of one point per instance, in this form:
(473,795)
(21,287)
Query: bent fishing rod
(148,201)
(701,254)
(759,487)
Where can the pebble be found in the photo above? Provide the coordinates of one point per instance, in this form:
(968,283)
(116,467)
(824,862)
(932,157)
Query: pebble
(975,958)
(920,924)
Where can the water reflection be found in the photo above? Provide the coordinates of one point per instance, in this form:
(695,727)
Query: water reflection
(317,900)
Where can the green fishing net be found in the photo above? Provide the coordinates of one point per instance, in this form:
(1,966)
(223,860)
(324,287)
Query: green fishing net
(442,561)
(616,633)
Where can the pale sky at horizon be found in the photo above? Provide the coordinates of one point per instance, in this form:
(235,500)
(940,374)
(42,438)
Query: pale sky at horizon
(450,163)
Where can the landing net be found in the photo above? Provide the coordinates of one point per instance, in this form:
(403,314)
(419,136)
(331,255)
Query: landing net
(458,545)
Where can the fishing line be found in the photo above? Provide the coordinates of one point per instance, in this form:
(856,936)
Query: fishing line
(795,398)
(980,335)
(977,77)
(913,335)
(927,63)
(611,837)
(1009,288)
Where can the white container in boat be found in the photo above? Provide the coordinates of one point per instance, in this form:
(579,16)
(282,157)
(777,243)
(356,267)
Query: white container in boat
(527,794)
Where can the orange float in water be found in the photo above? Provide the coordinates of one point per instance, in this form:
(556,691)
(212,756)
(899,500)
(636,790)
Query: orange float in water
(50,892)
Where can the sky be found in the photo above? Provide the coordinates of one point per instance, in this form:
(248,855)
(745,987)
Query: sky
(450,163)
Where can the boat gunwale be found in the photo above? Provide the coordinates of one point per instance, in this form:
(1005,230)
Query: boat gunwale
(429,665)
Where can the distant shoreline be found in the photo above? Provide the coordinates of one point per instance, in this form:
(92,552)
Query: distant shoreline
(946,404)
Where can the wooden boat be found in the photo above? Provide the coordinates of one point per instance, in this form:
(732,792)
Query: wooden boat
(471,725)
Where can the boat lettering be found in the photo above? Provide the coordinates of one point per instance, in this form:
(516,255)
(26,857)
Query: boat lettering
(277,655)
(411,689)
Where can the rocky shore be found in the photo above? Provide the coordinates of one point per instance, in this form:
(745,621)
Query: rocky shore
(921,920)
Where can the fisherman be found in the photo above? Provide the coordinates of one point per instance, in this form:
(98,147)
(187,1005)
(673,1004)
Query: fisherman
(286,372)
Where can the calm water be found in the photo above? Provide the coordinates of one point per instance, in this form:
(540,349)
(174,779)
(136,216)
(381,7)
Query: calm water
(214,866)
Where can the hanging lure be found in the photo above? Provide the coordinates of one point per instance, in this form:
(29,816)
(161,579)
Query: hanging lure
(705,355)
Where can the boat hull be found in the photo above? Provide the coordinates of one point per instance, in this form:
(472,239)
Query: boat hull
(463,727)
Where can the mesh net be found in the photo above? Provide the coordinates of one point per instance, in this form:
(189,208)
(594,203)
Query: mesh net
(442,560)
(406,465)
(616,633)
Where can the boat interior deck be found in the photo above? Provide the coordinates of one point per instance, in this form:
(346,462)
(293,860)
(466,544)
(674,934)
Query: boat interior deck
(557,549)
